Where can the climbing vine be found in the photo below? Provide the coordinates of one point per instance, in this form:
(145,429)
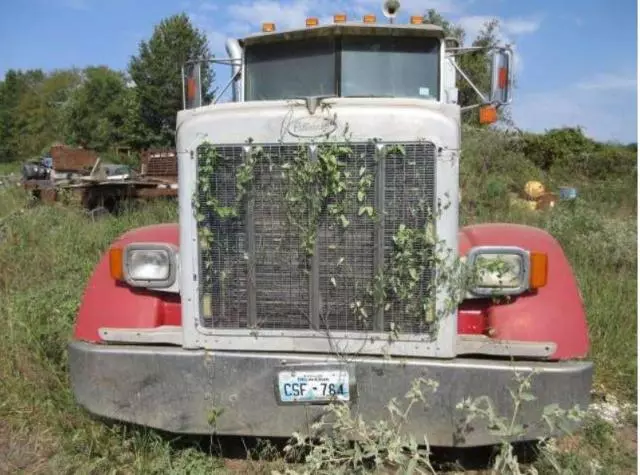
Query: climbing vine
(315,186)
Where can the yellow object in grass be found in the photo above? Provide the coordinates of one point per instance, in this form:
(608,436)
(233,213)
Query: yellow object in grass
(534,190)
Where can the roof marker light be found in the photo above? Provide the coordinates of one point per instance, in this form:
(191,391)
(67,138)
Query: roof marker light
(369,18)
(340,18)
(312,21)
(417,20)
(268,27)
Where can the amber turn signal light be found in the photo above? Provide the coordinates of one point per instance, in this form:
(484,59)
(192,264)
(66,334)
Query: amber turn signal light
(538,269)
(488,115)
(116,263)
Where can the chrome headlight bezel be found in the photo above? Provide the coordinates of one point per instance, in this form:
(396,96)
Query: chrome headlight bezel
(485,291)
(172,260)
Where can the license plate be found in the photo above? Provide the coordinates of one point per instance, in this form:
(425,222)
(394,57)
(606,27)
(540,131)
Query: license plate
(313,386)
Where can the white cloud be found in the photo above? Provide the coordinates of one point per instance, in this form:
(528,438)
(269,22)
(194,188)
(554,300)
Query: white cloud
(508,28)
(605,114)
(285,15)
(521,26)
(609,82)
(508,32)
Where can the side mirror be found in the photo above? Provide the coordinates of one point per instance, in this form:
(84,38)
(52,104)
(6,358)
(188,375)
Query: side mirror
(191,85)
(501,76)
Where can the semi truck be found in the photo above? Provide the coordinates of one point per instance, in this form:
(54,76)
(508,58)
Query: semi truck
(314,258)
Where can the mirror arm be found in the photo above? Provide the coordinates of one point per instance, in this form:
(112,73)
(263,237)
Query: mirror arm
(224,89)
(468,108)
(466,78)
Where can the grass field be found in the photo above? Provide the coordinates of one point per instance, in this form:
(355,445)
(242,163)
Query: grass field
(48,252)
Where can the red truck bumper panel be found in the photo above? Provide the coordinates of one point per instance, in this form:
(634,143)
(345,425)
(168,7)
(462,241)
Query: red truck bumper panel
(274,395)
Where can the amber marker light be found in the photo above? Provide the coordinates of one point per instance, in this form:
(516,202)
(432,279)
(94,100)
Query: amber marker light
(416,20)
(268,27)
(488,115)
(369,18)
(538,269)
(340,18)
(116,263)
(312,21)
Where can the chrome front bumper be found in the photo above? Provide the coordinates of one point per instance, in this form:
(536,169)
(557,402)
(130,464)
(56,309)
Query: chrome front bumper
(177,390)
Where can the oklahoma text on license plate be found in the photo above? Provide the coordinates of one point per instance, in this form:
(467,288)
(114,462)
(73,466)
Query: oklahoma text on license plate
(313,386)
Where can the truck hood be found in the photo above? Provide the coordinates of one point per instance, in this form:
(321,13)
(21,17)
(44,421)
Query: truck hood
(360,119)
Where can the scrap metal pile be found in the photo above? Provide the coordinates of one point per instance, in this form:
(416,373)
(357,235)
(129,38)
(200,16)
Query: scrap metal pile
(80,175)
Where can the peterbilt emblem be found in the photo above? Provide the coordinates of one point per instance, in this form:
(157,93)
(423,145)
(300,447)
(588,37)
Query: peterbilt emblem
(311,127)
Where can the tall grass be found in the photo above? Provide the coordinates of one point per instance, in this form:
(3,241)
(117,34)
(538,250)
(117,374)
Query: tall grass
(47,254)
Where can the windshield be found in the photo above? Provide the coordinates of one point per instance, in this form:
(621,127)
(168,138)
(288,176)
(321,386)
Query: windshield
(302,68)
(390,66)
(350,66)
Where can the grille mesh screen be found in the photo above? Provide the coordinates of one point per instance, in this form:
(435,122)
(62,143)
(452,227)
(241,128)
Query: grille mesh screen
(409,188)
(346,254)
(282,287)
(226,280)
(267,282)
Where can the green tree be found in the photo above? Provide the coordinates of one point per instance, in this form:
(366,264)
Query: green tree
(15,86)
(37,120)
(156,71)
(135,132)
(96,112)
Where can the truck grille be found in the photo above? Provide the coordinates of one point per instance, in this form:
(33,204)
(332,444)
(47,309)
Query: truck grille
(255,274)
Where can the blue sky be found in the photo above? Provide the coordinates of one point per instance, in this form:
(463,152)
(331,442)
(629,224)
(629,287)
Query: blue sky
(577,59)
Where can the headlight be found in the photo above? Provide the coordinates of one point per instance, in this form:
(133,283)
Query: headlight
(147,265)
(498,270)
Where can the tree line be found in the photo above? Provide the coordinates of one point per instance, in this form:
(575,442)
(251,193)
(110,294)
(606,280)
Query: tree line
(101,108)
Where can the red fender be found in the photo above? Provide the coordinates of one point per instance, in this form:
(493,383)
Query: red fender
(107,303)
(553,313)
